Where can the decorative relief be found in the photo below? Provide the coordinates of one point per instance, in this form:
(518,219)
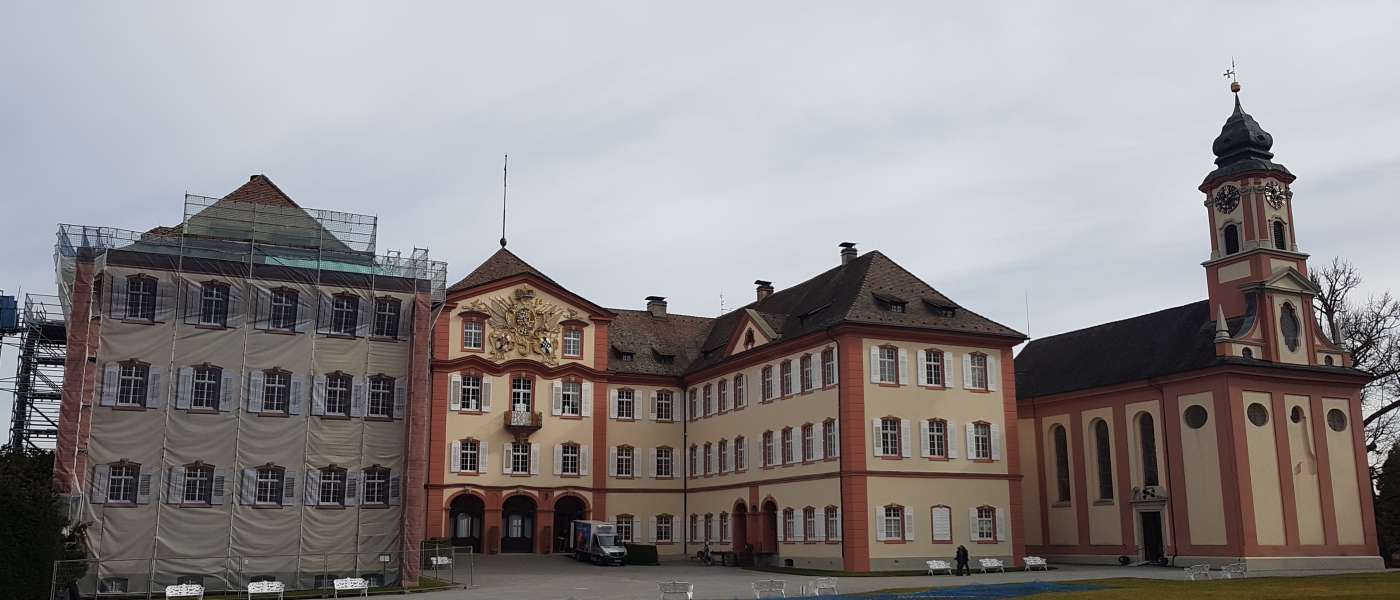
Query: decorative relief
(523,326)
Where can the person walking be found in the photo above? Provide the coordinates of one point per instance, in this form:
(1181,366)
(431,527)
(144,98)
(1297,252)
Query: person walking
(961,558)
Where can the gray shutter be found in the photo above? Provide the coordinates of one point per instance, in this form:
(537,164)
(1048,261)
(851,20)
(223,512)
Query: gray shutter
(144,484)
(924,449)
(908,524)
(235,305)
(486,394)
(906,445)
(454,456)
(903,367)
(950,371)
(255,391)
(405,319)
(97,488)
(454,391)
(993,373)
(117,304)
(483,457)
(165,300)
(175,491)
(357,397)
(557,406)
(365,321)
(311,493)
(583,460)
(298,393)
(156,388)
(263,308)
(950,437)
(352,487)
(534,459)
(996,441)
(876,447)
(874,364)
(323,316)
(289,486)
(216,495)
(395,490)
(305,314)
(318,395)
(248,492)
(193,292)
(505,459)
(400,398)
(111,374)
(185,388)
(1001,525)
(227,388)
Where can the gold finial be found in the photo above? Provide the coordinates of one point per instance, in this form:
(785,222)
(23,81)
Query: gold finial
(1234,82)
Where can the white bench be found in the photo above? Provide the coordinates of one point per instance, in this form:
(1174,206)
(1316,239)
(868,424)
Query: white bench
(1035,562)
(1234,570)
(352,584)
(1198,572)
(991,563)
(770,586)
(441,561)
(822,583)
(939,565)
(670,589)
(185,590)
(266,587)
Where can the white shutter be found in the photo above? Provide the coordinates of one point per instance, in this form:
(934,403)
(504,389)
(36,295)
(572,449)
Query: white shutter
(908,524)
(819,534)
(967,371)
(483,457)
(558,460)
(557,406)
(942,517)
(799,524)
(165,300)
(651,414)
(906,445)
(304,313)
(903,367)
(366,318)
(227,387)
(612,461)
(156,388)
(996,442)
(318,395)
(818,442)
(400,398)
(289,485)
(263,308)
(792,448)
(311,494)
(791,385)
(839,526)
(216,492)
(1001,525)
(836,450)
(923,368)
(950,373)
(950,437)
(651,463)
(972,524)
(874,364)
(745,465)
(587,400)
(248,492)
(454,454)
(993,373)
(782,525)
(505,459)
(879,513)
(486,394)
(255,391)
(175,491)
(534,459)
(836,366)
(875,438)
(184,388)
(971,440)
(298,394)
(111,375)
(454,391)
(359,389)
(144,485)
(583,461)
(612,403)
(924,450)
(97,490)
(323,316)
(235,306)
(651,530)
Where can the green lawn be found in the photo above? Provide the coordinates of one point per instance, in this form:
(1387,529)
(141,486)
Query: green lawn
(1363,585)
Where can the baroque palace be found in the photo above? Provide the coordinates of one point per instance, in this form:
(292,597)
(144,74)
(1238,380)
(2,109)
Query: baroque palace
(258,393)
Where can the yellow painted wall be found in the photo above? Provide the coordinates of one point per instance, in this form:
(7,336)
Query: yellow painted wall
(1064,521)
(1346,499)
(454,346)
(1201,468)
(1105,526)
(921,495)
(643,435)
(1303,464)
(1263,472)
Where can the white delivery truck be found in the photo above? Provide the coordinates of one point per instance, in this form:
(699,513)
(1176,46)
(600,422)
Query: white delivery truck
(596,542)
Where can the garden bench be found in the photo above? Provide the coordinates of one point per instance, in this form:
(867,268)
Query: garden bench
(1198,572)
(1234,570)
(822,583)
(770,586)
(185,590)
(991,563)
(939,565)
(266,587)
(352,584)
(1035,562)
(671,588)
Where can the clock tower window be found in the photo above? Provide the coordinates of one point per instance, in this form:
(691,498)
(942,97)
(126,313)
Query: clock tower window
(1280,235)
(1232,239)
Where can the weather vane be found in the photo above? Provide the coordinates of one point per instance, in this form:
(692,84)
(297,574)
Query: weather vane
(1234,81)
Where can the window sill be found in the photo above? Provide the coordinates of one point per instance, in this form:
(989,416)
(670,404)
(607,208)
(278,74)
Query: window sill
(275,415)
(209,326)
(375,506)
(833,541)
(887,384)
(889,457)
(830,386)
(982,460)
(936,388)
(379,418)
(942,541)
(465,411)
(330,506)
(571,356)
(475,350)
(121,504)
(832,458)
(625,419)
(339,336)
(569,475)
(128,407)
(202,411)
(333,417)
(624,477)
(264,506)
(384,338)
(894,541)
(993,542)
(937,458)
(195,505)
(142,321)
(279,331)
(466,473)
(570,417)
(980,391)
(1108,502)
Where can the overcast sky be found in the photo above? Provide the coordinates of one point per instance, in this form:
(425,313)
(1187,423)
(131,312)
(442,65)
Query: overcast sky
(1001,151)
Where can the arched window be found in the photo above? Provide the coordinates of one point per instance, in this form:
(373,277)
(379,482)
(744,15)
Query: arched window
(1280,236)
(1290,327)
(1104,451)
(1147,439)
(1061,463)
(1232,239)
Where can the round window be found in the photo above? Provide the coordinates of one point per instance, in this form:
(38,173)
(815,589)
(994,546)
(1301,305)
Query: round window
(1337,420)
(1195,416)
(1247,353)
(1296,414)
(1328,360)
(1258,415)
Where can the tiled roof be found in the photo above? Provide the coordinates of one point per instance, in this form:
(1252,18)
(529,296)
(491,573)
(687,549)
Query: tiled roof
(650,339)
(261,190)
(501,265)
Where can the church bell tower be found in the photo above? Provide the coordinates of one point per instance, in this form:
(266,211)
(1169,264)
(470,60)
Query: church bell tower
(1260,294)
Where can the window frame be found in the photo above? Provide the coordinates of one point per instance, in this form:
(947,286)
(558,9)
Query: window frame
(381,392)
(280,381)
(206,383)
(133,384)
(469,451)
(935,370)
(808,443)
(570,398)
(990,522)
(626,455)
(282,308)
(828,367)
(785,446)
(665,455)
(131,475)
(665,529)
(1103,455)
(897,521)
(522,386)
(269,479)
(767,450)
(766,383)
(141,303)
(785,378)
(978,360)
(628,396)
(341,387)
(564,337)
(565,450)
(388,310)
(805,377)
(213,304)
(667,399)
(829,441)
(981,441)
(345,314)
(891,446)
(938,438)
(332,486)
(477,334)
(368,484)
(520,458)
(472,383)
(739,456)
(887,361)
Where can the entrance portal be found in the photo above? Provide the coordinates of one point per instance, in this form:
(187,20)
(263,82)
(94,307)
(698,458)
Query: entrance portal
(464,522)
(741,526)
(518,524)
(768,539)
(567,509)
(1151,535)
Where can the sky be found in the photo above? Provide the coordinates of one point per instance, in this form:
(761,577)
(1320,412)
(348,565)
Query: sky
(1036,162)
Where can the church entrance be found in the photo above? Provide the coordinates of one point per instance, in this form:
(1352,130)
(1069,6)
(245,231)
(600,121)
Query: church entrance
(567,509)
(465,517)
(518,521)
(1151,535)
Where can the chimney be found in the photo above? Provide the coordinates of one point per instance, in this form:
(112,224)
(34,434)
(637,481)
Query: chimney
(765,288)
(656,305)
(848,252)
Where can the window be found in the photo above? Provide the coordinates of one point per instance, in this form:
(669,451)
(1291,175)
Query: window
(1057,433)
(787,445)
(471,456)
(986,524)
(785,378)
(573,342)
(1280,237)
(709,400)
(693,460)
(724,527)
(804,371)
(694,528)
(332,487)
(889,437)
(663,528)
(739,399)
(723,395)
(709,526)
(121,483)
(213,303)
(381,397)
(345,311)
(748,340)
(131,387)
(982,441)
(268,486)
(768,448)
(626,356)
(277,385)
(282,313)
(571,399)
(889,364)
(471,392)
(709,457)
(338,387)
(894,522)
(809,522)
(938,438)
(1147,440)
(1196,416)
(693,411)
(739,446)
(829,438)
(1232,239)
(828,367)
(205,391)
(767,383)
(623,524)
(1290,326)
(141,298)
(1337,420)
(1104,449)
(113,585)
(724,464)
(979,371)
(626,404)
(386,317)
(624,461)
(789,525)
(569,459)
(522,390)
(473,333)
(664,459)
(933,368)
(808,443)
(941,523)
(833,525)
(664,406)
(376,486)
(520,458)
(1258,415)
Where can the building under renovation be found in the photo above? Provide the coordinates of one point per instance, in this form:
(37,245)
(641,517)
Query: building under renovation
(241,390)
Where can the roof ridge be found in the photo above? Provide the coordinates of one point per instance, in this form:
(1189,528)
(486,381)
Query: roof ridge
(668,313)
(1116,321)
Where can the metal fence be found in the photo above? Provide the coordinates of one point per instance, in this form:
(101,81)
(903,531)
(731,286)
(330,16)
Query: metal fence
(439,566)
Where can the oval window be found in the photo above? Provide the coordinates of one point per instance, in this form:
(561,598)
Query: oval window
(1327,360)
(1247,353)
(1258,415)
(1296,414)
(1337,420)
(1195,416)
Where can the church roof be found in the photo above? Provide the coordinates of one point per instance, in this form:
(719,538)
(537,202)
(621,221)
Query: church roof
(500,265)
(1243,146)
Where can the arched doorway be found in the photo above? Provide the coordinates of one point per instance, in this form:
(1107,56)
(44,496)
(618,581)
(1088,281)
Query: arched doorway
(518,524)
(464,521)
(567,509)
(740,523)
(769,540)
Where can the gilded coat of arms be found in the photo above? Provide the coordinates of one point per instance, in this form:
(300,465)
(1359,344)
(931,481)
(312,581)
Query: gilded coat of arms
(523,325)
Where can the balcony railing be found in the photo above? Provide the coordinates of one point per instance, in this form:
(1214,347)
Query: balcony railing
(522,423)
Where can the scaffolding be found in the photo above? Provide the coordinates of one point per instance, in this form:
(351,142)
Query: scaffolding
(40,335)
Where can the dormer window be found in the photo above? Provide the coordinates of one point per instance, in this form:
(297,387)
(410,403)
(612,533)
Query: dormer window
(897,307)
(894,304)
(625,356)
(748,340)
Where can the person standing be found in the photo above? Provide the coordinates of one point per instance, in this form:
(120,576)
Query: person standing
(961,558)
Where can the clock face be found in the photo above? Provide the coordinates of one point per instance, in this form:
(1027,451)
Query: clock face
(1276,195)
(1227,198)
